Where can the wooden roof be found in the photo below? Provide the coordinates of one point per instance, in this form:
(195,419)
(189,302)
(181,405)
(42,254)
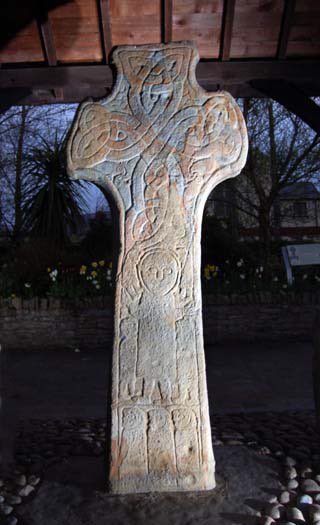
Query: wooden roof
(63,53)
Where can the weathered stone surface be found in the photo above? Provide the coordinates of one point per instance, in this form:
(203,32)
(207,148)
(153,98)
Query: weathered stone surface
(159,144)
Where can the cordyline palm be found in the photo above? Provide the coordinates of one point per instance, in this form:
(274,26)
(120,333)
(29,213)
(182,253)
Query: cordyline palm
(54,203)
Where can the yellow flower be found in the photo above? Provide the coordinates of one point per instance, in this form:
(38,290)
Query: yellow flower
(83,269)
(207,272)
(94,274)
(101,263)
(13,295)
(48,270)
(94,264)
(215,274)
(110,265)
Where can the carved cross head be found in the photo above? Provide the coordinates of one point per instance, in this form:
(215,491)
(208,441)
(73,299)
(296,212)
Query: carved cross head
(159,126)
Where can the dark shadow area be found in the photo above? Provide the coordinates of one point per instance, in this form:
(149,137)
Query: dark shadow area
(254,377)
(17,14)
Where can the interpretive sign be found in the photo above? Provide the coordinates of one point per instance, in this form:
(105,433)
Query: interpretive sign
(300,255)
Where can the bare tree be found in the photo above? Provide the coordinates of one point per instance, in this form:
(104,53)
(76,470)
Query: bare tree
(21,130)
(283,150)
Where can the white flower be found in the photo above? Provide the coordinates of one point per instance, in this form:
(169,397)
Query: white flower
(275,279)
(53,275)
(261,268)
(98,286)
(242,276)
(227,261)
(227,282)
(305,276)
(317,278)
(77,350)
(284,286)
(239,263)
(94,282)
(27,285)
(257,270)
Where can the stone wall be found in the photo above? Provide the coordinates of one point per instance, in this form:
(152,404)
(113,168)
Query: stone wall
(44,323)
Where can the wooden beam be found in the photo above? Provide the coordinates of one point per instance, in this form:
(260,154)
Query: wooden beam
(59,76)
(303,72)
(210,74)
(105,28)
(13,97)
(226,29)
(287,18)
(48,47)
(79,93)
(291,98)
(46,96)
(166,21)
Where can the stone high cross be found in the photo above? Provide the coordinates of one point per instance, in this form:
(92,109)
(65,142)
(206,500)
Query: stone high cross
(159,144)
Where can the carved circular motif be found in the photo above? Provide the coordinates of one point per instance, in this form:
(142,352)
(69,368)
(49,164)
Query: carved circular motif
(158,419)
(132,418)
(183,418)
(159,271)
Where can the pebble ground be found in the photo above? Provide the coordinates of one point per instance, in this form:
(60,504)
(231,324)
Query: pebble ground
(292,438)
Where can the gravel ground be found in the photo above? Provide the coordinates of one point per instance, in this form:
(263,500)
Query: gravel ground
(268,471)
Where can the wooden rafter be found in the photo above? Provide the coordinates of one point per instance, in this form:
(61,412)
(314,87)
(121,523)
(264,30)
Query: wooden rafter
(166,21)
(48,47)
(47,41)
(226,29)
(286,24)
(105,24)
(292,98)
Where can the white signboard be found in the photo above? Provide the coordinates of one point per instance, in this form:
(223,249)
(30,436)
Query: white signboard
(300,255)
(303,254)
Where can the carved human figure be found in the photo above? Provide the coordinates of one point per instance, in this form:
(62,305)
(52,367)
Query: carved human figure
(133,443)
(161,449)
(159,144)
(186,440)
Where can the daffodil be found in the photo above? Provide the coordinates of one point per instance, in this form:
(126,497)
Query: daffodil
(48,270)
(94,273)
(94,265)
(101,263)
(207,272)
(83,269)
